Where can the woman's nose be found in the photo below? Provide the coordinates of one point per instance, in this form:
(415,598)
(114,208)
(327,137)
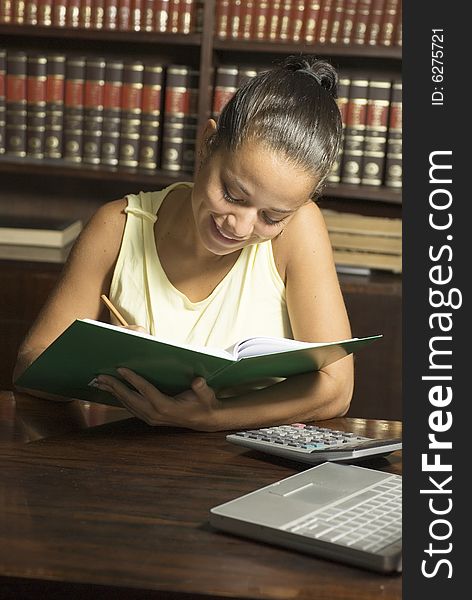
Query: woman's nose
(241,223)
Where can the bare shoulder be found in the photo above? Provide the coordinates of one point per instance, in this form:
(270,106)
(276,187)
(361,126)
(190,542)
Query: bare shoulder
(304,241)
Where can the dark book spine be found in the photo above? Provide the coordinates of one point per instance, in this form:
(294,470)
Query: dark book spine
(342,102)
(15,127)
(111,112)
(347,25)
(326,14)
(131,98)
(161,15)
(150,117)
(36,106)
(93,110)
(74,109)
(393,169)
(176,109)
(59,13)
(3,75)
(312,19)
(190,122)
(124,15)
(389,19)
(337,16)
(375,141)
(222,18)
(85,14)
(45,12)
(375,21)
(354,132)
(55,86)
(297,20)
(361,21)
(73,13)
(226,81)
(398,32)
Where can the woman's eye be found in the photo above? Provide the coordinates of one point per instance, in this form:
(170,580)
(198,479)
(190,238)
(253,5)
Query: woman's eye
(270,221)
(229,198)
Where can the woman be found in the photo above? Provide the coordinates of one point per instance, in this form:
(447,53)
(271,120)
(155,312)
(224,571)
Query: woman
(242,252)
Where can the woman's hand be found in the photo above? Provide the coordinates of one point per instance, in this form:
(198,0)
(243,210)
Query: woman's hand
(195,408)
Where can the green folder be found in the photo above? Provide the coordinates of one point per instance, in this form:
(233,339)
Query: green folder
(88,348)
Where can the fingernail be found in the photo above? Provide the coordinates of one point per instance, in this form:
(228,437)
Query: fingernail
(93,383)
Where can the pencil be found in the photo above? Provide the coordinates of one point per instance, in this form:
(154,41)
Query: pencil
(117,314)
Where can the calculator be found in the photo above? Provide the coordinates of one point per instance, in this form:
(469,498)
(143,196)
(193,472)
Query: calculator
(313,444)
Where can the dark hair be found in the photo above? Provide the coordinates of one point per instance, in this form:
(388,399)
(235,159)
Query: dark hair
(292,109)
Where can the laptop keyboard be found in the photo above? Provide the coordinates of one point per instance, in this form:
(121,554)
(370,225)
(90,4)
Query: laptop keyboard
(369,520)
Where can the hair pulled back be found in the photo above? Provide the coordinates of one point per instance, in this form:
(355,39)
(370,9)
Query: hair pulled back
(291,109)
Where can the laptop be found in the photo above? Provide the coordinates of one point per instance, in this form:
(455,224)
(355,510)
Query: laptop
(335,511)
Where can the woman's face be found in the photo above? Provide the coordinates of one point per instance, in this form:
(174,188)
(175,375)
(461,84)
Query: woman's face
(246,197)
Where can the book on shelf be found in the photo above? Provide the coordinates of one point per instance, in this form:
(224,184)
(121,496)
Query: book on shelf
(273,17)
(38,231)
(374,22)
(222,18)
(347,24)
(15,101)
(226,84)
(260,21)
(59,13)
(45,12)
(344,222)
(46,254)
(53,120)
(388,23)
(311,20)
(88,348)
(354,131)
(369,260)
(149,135)
(336,21)
(375,140)
(131,103)
(342,101)
(361,22)
(73,131)
(3,109)
(324,22)
(366,242)
(73,13)
(93,109)
(393,167)
(36,105)
(235,20)
(112,89)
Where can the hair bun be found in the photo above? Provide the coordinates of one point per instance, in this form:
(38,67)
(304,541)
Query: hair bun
(323,73)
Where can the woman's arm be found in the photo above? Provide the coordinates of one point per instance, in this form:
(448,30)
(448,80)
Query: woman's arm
(86,275)
(317,313)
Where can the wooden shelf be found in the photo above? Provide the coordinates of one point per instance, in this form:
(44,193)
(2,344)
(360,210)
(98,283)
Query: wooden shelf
(381,52)
(364,192)
(51,168)
(67,33)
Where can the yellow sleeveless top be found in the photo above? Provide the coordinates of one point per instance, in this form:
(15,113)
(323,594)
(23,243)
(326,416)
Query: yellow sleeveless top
(249,301)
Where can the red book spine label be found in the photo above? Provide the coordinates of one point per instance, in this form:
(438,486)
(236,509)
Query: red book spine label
(59,13)
(45,12)
(85,13)
(112,95)
(187,16)
(260,22)
(110,17)
(36,89)
(124,15)
(284,20)
(55,89)
(387,27)
(236,19)
(74,93)
(93,94)
(137,15)
(16,88)
(375,20)
(177,101)
(312,16)
(222,18)
(161,15)
(73,13)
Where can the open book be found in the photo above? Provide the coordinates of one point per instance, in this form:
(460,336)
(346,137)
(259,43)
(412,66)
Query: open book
(88,348)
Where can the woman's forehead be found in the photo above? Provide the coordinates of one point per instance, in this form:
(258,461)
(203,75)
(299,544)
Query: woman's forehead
(258,170)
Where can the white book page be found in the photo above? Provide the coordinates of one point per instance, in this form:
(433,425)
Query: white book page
(260,346)
(218,352)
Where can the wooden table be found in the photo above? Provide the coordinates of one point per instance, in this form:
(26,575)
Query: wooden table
(99,505)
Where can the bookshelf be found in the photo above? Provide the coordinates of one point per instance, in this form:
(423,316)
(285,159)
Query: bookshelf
(32,186)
